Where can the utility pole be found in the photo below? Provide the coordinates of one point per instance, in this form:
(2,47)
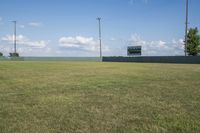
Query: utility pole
(186,29)
(99,20)
(15,36)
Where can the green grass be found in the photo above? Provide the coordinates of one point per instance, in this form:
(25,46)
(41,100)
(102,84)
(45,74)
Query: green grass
(58,97)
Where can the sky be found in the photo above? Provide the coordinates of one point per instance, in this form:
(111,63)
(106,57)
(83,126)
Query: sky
(68,28)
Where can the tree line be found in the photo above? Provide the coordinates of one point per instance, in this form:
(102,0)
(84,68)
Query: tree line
(193,46)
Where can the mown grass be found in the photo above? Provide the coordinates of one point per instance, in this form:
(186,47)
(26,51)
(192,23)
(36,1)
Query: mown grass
(58,97)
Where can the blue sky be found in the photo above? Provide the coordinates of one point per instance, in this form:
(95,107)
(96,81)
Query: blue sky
(70,28)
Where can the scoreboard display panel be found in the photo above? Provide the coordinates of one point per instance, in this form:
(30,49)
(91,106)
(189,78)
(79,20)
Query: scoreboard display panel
(134,51)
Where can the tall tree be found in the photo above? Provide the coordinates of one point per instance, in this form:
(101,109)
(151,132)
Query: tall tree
(1,54)
(193,45)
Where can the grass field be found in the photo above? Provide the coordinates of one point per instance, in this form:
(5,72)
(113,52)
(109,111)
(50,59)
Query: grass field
(58,97)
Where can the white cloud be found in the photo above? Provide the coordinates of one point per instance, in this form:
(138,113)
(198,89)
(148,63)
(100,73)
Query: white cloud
(35,24)
(112,39)
(159,47)
(81,43)
(27,51)
(25,46)
(23,40)
(22,26)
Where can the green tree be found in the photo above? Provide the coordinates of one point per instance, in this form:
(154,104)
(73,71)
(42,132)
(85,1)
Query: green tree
(14,54)
(1,54)
(193,46)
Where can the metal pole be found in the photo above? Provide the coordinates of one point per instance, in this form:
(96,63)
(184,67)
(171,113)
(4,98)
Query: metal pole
(15,36)
(186,29)
(99,20)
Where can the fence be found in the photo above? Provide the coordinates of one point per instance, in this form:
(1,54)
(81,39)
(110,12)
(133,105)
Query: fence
(156,59)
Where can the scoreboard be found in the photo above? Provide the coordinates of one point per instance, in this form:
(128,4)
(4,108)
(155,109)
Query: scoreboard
(134,50)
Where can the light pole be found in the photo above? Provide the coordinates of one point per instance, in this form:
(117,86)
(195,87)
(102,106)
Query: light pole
(15,36)
(186,28)
(99,21)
